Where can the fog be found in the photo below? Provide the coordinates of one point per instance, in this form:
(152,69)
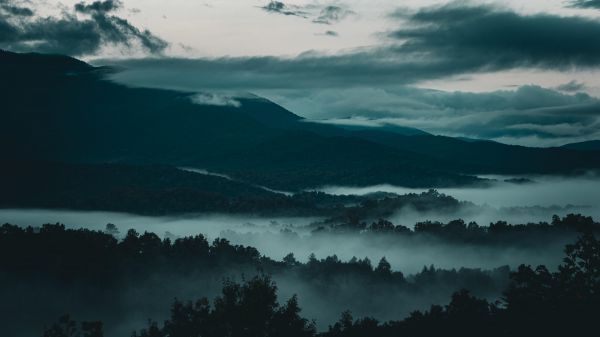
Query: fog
(276,237)
(209,225)
(321,299)
(516,203)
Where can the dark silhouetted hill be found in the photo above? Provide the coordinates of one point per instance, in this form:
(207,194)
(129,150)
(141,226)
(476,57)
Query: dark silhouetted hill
(56,108)
(592,145)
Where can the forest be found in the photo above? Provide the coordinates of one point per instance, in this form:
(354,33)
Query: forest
(92,268)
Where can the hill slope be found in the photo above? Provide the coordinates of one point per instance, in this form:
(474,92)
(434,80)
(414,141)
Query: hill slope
(57,108)
(68,112)
(592,145)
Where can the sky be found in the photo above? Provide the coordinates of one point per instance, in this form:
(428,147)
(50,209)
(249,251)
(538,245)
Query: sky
(518,72)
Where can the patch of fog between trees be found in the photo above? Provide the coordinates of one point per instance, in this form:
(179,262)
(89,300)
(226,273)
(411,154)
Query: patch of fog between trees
(134,303)
(276,237)
(515,203)
(273,237)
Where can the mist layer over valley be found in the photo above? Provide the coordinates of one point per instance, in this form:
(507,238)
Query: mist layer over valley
(516,199)
(487,262)
(275,237)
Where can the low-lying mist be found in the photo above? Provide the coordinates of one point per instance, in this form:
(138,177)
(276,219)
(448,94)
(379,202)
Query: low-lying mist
(276,237)
(321,298)
(533,199)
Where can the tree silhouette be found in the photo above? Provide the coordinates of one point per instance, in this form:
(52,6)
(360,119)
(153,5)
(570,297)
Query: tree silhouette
(249,309)
(67,327)
(384,267)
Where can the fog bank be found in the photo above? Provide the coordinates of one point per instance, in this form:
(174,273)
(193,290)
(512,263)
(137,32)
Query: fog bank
(276,237)
(525,202)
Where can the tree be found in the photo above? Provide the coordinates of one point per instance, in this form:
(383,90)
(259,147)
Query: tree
(290,260)
(383,267)
(580,270)
(67,327)
(288,322)
(249,309)
(111,229)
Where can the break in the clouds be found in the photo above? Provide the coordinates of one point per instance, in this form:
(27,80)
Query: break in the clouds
(328,14)
(83,30)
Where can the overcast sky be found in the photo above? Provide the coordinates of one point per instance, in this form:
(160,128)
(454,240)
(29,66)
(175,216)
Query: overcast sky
(520,72)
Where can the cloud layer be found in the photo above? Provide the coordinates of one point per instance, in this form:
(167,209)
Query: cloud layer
(530,115)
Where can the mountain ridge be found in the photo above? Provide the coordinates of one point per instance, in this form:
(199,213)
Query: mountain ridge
(60,109)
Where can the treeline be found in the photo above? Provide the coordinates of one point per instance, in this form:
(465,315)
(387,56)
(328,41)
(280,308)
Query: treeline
(538,302)
(100,257)
(472,232)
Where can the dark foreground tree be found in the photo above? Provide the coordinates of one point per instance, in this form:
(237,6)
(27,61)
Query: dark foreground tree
(538,302)
(242,310)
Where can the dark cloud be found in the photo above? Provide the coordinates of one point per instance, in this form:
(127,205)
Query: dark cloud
(9,8)
(265,72)
(328,14)
(333,14)
(477,38)
(281,8)
(98,6)
(331,33)
(584,4)
(69,34)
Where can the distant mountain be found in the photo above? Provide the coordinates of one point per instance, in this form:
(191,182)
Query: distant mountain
(68,112)
(59,109)
(592,145)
